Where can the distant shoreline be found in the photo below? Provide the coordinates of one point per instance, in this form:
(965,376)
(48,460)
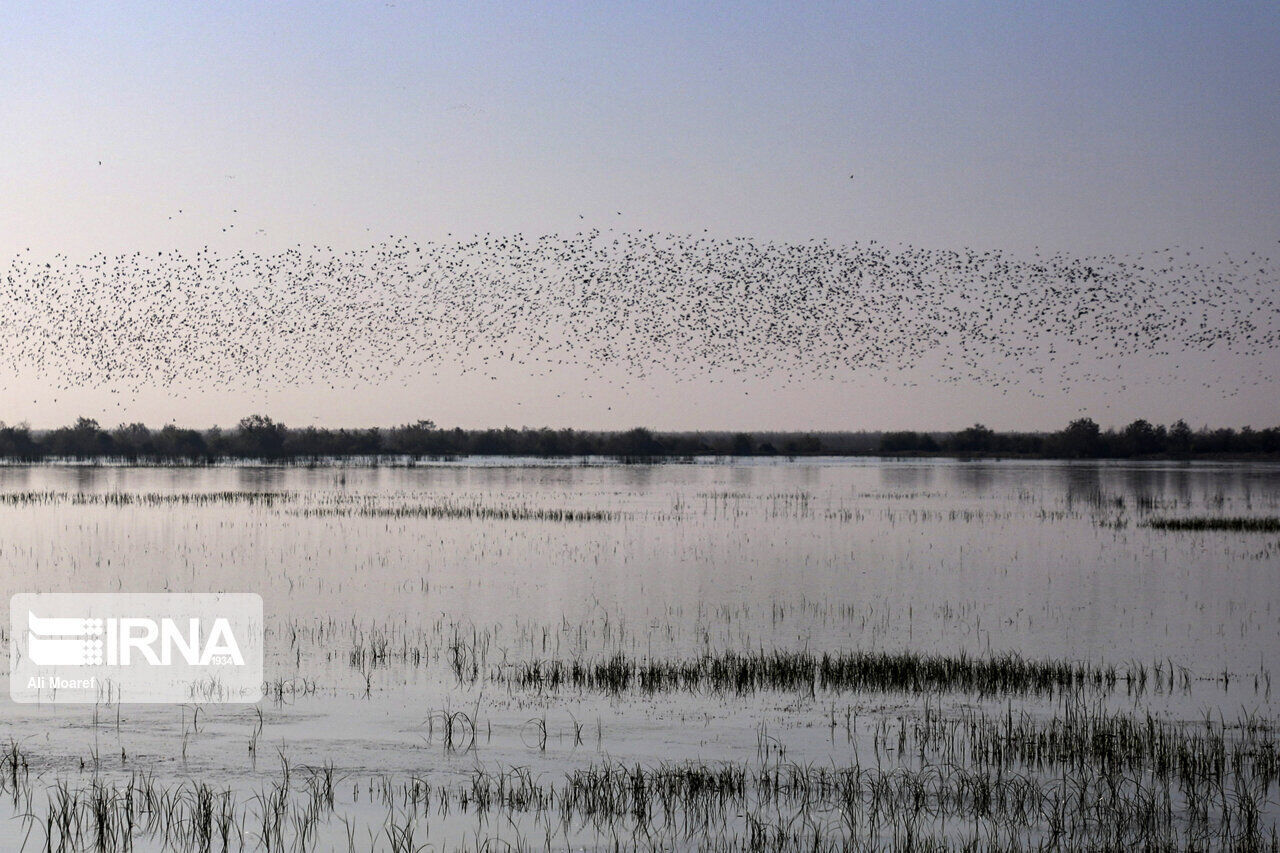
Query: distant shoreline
(260,440)
(518,461)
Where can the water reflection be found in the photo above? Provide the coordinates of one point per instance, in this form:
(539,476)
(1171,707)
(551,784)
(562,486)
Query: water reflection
(1037,556)
(906,477)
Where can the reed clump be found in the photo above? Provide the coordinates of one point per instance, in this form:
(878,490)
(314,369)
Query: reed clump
(745,672)
(1265,524)
(767,804)
(452,510)
(124,499)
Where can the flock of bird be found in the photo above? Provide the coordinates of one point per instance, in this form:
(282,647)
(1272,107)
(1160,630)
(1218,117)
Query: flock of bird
(628,304)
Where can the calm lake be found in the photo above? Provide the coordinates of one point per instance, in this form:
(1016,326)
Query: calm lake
(416,616)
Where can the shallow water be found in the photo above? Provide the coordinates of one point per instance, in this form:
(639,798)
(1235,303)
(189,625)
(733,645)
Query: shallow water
(460,571)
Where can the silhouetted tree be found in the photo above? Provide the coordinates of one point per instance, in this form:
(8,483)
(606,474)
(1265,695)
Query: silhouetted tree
(974,439)
(1141,439)
(84,440)
(907,442)
(132,440)
(16,442)
(173,442)
(808,443)
(637,442)
(260,436)
(1082,439)
(1180,437)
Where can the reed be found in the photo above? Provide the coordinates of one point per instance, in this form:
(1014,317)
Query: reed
(1269,524)
(746,672)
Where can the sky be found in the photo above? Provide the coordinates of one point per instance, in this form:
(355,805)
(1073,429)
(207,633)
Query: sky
(1084,128)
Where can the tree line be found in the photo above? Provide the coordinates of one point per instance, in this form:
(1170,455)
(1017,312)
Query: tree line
(259,437)
(1084,439)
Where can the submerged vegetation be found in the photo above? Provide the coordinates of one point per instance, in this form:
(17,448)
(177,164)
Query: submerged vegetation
(1086,779)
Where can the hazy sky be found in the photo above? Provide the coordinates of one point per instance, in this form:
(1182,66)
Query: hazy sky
(1080,127)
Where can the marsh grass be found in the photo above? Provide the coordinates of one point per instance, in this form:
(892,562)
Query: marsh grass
(769,804)
(1082,735)
(451,510)
(904,671)
(302,505)
(1269,524)
(132,499)
(982,752)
